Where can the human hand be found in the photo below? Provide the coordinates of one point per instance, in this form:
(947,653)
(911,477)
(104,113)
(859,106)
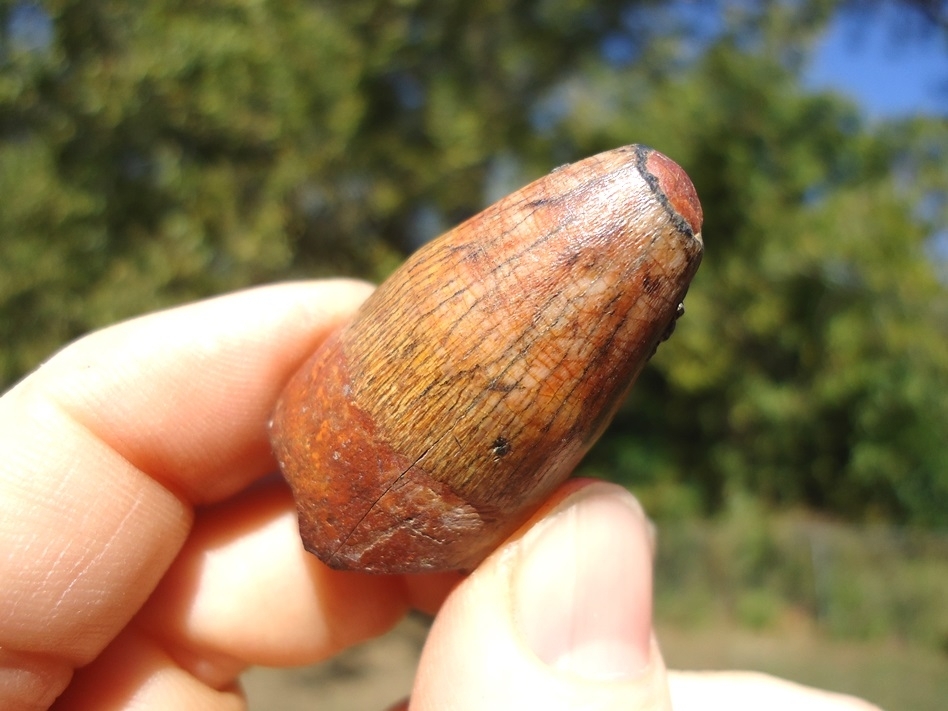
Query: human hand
(147,560)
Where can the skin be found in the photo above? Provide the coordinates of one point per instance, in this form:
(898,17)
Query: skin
(148,559)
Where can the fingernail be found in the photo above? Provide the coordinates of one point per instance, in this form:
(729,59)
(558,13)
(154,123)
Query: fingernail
(583,585)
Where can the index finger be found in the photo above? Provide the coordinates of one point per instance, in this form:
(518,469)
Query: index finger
(109,445)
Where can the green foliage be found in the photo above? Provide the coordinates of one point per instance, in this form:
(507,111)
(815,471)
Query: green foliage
(810,366)
(156,152)
(764,572)
(161,151)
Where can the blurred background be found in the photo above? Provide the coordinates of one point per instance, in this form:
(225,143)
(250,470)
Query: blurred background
(790,440)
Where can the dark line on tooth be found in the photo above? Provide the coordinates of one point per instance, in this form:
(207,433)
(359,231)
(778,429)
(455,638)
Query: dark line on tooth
(641,163)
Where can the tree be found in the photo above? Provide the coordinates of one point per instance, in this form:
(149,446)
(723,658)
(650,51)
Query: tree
(810,367)
(156,152)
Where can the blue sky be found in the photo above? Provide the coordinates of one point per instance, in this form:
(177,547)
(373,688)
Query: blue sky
(880,55)
(874,63)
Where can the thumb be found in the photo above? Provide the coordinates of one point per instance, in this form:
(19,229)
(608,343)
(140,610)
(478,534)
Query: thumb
(560,617)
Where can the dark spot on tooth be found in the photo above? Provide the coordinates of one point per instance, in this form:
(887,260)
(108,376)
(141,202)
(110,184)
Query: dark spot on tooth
(649,285)
(670,328)
(500,447)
